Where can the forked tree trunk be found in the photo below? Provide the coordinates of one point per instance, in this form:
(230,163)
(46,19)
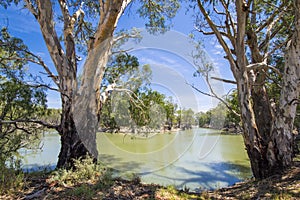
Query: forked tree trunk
(71,144)
(80,106)
(268,138)
(267,132)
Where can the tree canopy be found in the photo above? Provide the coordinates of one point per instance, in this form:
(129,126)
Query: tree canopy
(22,99)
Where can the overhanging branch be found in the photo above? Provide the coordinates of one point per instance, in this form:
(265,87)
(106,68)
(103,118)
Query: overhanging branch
(40,122)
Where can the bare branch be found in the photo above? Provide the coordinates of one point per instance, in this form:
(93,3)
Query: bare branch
(133,34)
(264,66)
(278,47)
(35,59)
(40,122)
(224,80)
(218,35)
(219,98)
(218,12)
(270,36)
(203,32)
(43,86)
(229,23)
(214,96)
(121,51)
(41,62)
(198,90)
(255,66)
(267,22)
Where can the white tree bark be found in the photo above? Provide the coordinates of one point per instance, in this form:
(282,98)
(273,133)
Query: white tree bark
(268,138)
(289,98)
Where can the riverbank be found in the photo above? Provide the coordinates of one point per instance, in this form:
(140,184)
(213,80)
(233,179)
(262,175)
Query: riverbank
(41,186)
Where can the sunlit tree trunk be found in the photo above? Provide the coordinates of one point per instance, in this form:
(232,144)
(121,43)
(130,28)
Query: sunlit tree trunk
(267,132)
(80,103)
(268,139)
(282,137)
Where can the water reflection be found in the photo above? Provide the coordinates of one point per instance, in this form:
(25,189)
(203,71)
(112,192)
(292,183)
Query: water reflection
(197,159)
(44,158)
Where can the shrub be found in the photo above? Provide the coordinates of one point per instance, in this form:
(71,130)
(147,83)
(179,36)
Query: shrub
(85,170)
(11,177)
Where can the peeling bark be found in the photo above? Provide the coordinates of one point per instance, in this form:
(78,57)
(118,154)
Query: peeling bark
(282,136)
(267,134)
(80,106)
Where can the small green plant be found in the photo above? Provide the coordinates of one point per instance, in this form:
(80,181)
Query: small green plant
(105,180)
(83,191)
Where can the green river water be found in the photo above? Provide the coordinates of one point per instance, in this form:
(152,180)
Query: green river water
(196,159)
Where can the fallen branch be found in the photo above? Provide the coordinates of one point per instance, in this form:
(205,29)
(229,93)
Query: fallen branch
(36,194)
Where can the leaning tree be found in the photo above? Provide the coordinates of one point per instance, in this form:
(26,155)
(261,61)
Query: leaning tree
(86,25)
(252,33)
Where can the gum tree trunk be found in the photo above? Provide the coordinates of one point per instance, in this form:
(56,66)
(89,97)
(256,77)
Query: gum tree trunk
(80,104)
(282,137)
(268,137)
(267,131)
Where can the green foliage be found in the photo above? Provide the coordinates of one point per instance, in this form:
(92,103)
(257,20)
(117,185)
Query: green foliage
(87,177)
(11,177)
(51,116)
(157,12)
(19,102)
(84,170)
(122,64)
(130,78)
(220,116)
(125,70)
(232,101)
(133,103)
(203,118)
(83,191)
(152,114)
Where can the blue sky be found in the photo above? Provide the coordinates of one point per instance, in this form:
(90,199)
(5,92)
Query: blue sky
(168,55)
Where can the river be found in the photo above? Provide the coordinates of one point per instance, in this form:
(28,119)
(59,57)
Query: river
(197,159)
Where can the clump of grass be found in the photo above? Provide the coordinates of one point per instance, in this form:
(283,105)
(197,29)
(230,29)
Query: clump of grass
(282,195)
(104,181)
(11,178)
(84,180)
(83,191)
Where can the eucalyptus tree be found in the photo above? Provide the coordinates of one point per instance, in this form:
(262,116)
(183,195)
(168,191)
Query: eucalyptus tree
(88,26)
(129,80)
(250,33)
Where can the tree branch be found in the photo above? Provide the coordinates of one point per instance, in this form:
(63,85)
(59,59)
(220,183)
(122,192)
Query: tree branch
(43,123)
(218,35)
(43,86)
(224,80)
(31,8)
(198,90)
